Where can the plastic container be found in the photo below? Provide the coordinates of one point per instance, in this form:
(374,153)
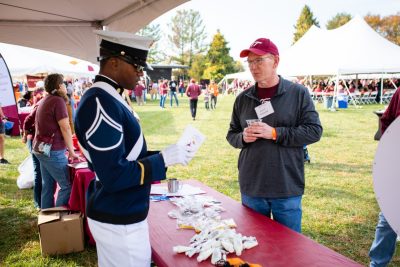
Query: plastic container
(328,101)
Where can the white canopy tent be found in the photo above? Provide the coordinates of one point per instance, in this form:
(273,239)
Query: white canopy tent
(66,26)
(350,49)
(354,48)
(241,76)
(244,75)
(23,60)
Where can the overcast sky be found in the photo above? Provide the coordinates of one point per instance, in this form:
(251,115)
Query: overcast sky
(241,22)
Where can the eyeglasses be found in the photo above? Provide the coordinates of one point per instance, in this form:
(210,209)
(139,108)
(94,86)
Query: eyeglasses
(257,61)
(137,67)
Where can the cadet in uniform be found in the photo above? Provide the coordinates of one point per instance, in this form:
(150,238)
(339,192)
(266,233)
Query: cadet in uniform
(113,143)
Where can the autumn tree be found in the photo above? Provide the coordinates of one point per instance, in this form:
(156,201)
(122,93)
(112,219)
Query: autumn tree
(153,31)
(187,35)
(338,20)
(218,61)
(304,22)
(388,27)
(198,67)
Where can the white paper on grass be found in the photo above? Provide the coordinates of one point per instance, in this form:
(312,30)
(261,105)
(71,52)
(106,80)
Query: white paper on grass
(191,137)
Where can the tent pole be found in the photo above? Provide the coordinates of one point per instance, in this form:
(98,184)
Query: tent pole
(394,85)
(348,91)
(335,93)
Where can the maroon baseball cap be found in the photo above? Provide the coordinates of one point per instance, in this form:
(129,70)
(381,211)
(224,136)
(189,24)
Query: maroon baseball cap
(260,47)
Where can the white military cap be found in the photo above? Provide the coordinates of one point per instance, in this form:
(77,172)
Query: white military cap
(133,48)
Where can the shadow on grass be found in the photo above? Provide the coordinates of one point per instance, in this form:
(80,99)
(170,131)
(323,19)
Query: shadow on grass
(17,228)
(19,242)
(341,167)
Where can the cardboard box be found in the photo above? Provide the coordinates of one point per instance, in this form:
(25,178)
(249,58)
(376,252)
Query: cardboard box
(60,231)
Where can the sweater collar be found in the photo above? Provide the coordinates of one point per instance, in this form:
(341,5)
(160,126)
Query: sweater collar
(281,89)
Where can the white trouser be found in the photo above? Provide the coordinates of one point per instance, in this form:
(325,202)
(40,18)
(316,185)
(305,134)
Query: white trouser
(121,245)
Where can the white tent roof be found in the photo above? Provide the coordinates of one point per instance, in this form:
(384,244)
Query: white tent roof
(23,60)
(352,48)
(66,26)
(244,75)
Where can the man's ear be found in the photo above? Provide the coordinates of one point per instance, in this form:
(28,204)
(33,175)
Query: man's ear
(114,62)
(276,61)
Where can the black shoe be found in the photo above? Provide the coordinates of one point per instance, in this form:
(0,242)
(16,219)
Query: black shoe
(4,161)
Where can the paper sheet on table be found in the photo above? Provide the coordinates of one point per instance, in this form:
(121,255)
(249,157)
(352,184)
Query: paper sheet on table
(191,137)
(79,165)
(186,190)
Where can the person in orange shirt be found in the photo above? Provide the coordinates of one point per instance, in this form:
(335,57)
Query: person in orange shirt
(214,94)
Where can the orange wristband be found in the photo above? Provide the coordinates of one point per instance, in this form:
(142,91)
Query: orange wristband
(273,134)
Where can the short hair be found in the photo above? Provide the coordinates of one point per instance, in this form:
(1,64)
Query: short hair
(52,82)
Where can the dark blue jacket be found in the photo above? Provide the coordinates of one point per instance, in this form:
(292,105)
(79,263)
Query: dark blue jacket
(275,169)
(113,143)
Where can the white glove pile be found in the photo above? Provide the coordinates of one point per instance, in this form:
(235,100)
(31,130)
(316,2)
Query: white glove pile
(177,154)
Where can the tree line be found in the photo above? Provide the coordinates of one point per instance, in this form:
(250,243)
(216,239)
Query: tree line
(187,47)
(387,26)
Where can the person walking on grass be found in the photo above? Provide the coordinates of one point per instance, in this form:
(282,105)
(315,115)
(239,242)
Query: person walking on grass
(172,89)
(193,91)
(213,89)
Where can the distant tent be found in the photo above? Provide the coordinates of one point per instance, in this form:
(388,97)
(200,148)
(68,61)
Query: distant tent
(350,49)
(354,48)
(243,76)
(23,60)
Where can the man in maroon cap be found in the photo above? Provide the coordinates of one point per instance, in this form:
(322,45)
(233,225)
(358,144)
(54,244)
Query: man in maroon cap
(271,167)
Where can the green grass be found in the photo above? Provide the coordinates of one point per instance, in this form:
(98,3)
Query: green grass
(339,206)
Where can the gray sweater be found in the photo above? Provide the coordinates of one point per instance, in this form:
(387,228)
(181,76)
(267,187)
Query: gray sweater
(275,169)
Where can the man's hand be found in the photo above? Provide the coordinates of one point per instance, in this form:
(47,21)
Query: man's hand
(248,135)
(257,130)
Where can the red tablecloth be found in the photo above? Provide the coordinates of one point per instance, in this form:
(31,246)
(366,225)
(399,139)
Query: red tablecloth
(77,200)
(278,245)
(80,179)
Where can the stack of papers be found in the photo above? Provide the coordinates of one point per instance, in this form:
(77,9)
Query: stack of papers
(186,190)
(79,165)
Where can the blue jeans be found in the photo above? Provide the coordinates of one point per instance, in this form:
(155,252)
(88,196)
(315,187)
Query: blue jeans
(286,211)
(173,94)
(37,177)
(162,100)
(384,244)
(54,169)
(144,95)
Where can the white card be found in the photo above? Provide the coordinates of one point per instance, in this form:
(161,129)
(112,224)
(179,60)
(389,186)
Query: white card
(191,137)
(264,109)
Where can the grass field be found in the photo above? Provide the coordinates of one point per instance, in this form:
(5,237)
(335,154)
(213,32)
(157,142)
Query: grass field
(339,206)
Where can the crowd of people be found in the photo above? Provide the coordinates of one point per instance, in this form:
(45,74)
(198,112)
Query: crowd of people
(357,89)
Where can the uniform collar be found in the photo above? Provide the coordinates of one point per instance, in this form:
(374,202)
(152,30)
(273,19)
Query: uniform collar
(114,84)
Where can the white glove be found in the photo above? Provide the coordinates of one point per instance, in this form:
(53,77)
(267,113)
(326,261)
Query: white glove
(176,154)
